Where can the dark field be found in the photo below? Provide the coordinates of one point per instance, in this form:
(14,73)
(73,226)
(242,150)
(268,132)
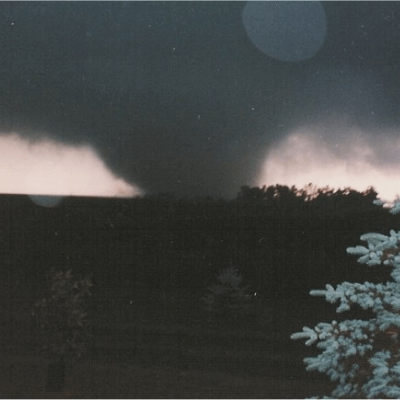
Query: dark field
(161,345)
(152,260)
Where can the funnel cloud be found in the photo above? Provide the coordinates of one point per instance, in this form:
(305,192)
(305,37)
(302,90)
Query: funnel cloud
(197,98)
(50,168)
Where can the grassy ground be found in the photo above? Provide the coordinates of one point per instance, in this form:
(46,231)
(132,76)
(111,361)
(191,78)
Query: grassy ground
(165,348)
(24,378)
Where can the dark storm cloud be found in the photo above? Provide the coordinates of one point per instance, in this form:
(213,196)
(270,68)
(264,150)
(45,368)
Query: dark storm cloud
(136,79)
(174,95)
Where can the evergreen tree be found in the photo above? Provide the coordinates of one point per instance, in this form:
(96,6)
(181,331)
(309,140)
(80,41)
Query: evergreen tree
(362,356)
(227,298)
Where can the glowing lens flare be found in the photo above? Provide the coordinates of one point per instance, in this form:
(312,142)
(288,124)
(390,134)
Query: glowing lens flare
(50,168)
(286,30)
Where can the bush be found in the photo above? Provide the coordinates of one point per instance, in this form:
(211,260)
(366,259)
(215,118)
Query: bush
(362,355)
(61,315)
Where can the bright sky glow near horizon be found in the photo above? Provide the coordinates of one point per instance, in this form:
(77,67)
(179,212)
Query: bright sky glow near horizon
(354,161)
(47,167)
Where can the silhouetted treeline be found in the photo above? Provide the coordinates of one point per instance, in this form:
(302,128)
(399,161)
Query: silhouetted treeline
(284,241)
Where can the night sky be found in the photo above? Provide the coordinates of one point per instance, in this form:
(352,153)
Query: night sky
(201,98)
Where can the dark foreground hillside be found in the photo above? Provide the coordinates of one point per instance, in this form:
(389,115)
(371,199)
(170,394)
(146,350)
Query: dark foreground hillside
(151,260)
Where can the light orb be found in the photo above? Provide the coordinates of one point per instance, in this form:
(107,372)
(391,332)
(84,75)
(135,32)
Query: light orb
(285,30)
